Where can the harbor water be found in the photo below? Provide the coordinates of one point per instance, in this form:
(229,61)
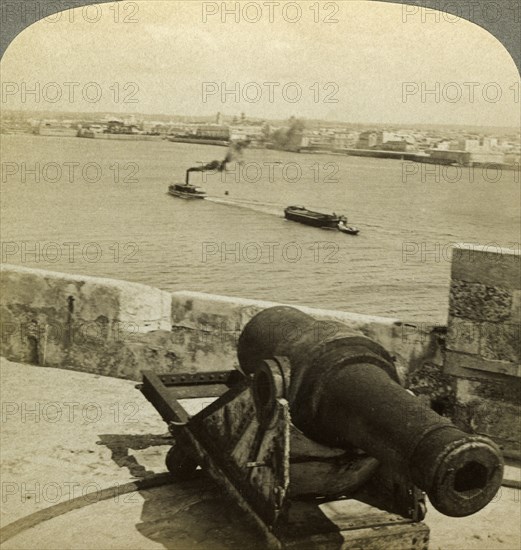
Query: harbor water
(101,208)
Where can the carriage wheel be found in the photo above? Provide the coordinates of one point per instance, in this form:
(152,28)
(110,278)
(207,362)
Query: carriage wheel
(179,464)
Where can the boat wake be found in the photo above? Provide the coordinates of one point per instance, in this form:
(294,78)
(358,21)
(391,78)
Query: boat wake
(277,209)
(271,208)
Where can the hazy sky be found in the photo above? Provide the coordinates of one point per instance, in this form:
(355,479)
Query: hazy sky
(365,61)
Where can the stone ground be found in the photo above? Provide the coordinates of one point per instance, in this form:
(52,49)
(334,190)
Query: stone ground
(67,435)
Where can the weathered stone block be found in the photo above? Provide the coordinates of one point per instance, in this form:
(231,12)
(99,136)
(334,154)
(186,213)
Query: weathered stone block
(68,321)
(60,298)
(479,302)
(491,408)
(496,390)
(501,342)
(431,382)
(474,366)
(463,335)
(490,266)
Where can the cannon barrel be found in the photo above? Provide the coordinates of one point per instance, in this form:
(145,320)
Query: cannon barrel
(344,392)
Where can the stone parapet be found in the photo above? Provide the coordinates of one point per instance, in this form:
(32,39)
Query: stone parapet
(208,326)
(116,328)
(70,321)
(484,342)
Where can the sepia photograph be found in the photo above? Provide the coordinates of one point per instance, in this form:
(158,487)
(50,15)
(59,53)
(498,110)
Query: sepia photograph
(260,275)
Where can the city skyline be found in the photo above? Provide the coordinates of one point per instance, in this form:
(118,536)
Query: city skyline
(100,116)
(371,67)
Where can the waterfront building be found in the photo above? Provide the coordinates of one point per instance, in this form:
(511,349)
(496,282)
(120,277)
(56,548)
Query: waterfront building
(344,140)
(180,129)
(367,140)
(482,150)
(386,141)
(213,131)
(116,126)
(469,151)
(255,134)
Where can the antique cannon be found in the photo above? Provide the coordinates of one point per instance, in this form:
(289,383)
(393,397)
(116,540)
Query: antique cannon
(344,392)
(318,414)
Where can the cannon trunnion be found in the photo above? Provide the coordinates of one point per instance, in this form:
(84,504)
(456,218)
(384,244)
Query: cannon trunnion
(319,443)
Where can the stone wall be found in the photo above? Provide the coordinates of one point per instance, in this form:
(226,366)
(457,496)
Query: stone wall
(82,323)
(483,353)
(116,328)
(469,370)
(207,327)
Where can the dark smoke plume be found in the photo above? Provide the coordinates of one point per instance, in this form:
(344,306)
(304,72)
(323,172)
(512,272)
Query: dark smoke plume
(234,153)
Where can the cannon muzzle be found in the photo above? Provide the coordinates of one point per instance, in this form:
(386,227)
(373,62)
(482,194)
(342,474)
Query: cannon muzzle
(344,392)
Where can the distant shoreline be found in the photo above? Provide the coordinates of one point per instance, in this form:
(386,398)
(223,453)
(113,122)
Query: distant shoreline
(46,114)
(412,156)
